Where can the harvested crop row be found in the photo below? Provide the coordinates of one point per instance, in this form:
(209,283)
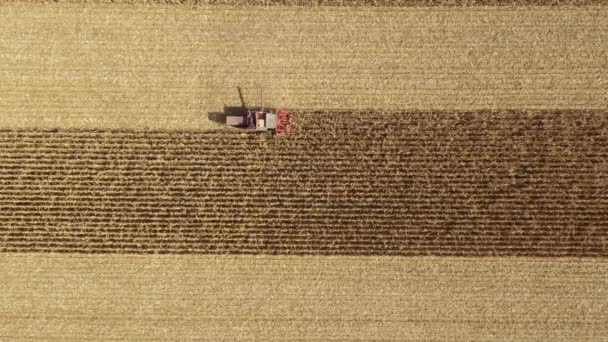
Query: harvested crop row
(412,183)
(167,67)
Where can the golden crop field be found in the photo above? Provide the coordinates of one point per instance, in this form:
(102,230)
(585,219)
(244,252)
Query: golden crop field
(445,178)
(210,297)
(119,66)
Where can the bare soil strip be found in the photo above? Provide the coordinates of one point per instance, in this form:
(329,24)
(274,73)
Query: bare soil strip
(364,183)
(262,298)
(105,66)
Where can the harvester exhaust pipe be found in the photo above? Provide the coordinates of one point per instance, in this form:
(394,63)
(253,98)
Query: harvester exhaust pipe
(241,97)
(262,98)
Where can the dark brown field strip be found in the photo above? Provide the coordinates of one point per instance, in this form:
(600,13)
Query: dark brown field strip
(412,183)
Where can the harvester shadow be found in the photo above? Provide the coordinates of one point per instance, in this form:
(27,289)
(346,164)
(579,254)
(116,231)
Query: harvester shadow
(220,117)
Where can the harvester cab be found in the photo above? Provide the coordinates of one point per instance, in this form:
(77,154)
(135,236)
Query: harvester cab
(260,119)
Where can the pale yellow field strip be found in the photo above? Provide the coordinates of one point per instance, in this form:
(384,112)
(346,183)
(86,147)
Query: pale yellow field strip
(155,66)
(85,297)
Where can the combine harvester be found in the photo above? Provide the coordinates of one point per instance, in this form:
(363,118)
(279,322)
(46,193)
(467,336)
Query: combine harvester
(260,119)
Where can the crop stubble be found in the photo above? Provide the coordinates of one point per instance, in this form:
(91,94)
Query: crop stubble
(408,183)
(476,183)
(96,65)
(279,298)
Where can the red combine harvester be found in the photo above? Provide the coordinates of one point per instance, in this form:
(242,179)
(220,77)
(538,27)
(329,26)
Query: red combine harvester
(260,119)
